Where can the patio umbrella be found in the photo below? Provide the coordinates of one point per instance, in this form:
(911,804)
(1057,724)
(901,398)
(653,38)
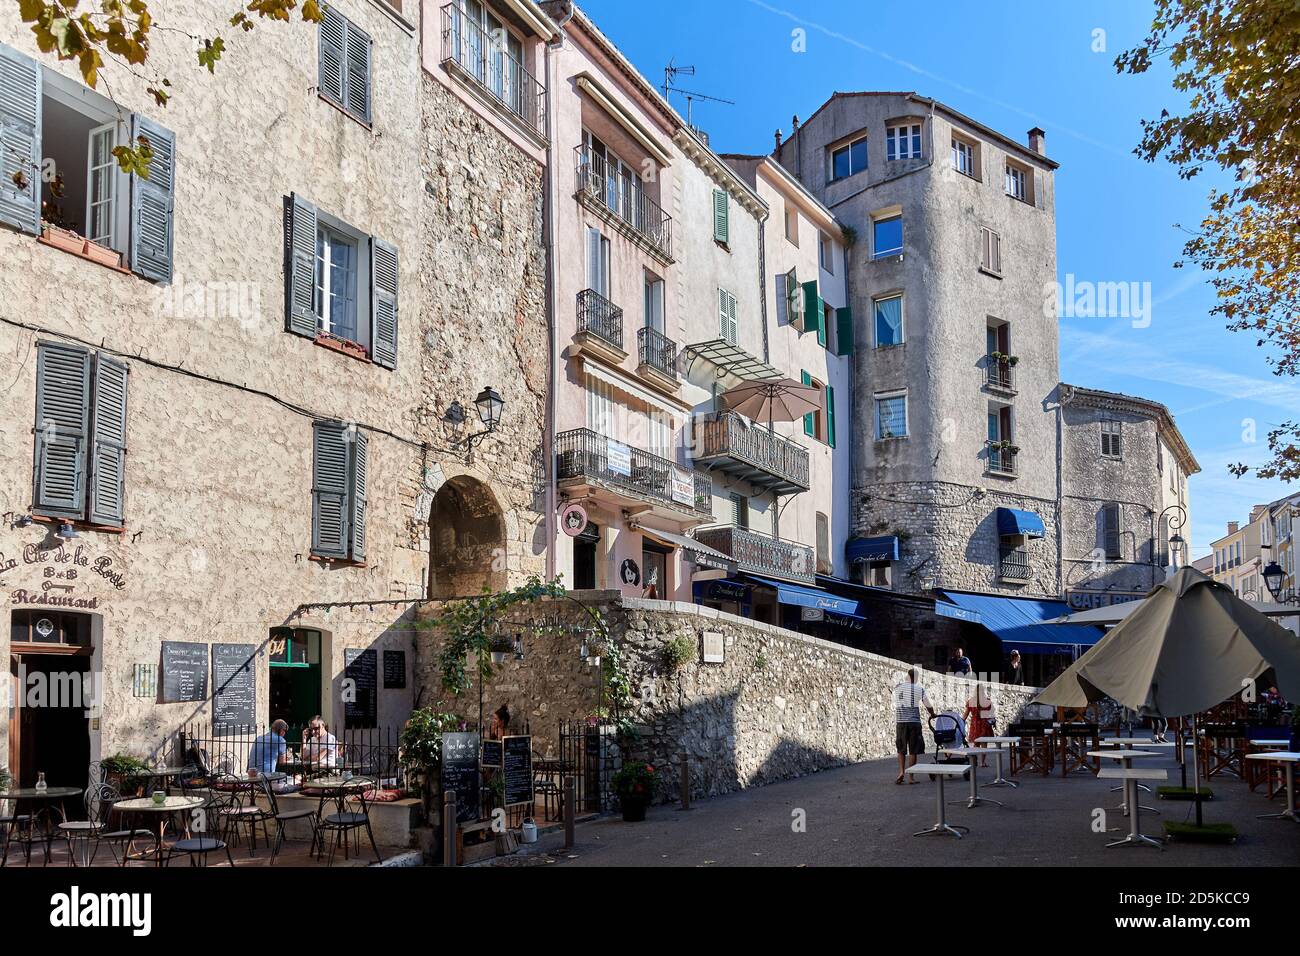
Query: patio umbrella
(779,399)
(1189,646)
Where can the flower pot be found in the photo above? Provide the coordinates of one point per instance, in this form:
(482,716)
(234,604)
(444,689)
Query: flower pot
(103,255)
(61,238)
(633,808)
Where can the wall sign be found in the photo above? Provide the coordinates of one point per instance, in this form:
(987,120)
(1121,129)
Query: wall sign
(185,671)
(715,648)
(144,680)
(360,702)
(629,572)
(394,670)
(683,486)
(618,458)
(459,772)
(63,573)
(493,753)
(573,519)
(234,683)
(1080,600)
(517,768)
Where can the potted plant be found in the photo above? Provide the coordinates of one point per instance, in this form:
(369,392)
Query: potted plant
(1012,360)
(123,773)
(421,751)
(635,785)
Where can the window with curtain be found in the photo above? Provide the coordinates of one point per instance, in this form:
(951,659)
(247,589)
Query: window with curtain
(891,416)
(889,321)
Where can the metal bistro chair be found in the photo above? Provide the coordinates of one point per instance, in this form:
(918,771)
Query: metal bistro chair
(344,822)
(212,838)
(94,831)
(281,817)
(11,822)
(238,812)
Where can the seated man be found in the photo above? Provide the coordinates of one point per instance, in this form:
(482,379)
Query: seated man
(270,749)
(320,748)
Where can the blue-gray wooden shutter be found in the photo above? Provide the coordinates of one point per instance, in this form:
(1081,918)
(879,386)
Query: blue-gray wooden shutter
(333,40)
(721,223)
(329,490)
(20,140)
(360,449)
(383,303)
(153,203)
(62,425)
(108,443)
(300,266)
(357,60)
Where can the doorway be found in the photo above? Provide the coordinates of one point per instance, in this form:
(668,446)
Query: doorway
(295,678)
(586,548)
(50,703)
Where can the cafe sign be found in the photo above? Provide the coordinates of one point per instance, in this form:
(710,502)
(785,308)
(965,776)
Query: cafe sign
(1087,600)
(62,573)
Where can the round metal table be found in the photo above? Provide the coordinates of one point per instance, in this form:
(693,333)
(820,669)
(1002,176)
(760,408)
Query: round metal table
(43,801)
(162,809)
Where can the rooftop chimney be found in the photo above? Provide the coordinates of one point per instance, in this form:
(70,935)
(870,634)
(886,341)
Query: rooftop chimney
(778,141)
(794,125)
(1037,141)
(1233,526)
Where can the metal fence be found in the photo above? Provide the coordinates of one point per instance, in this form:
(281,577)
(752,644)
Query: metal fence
(585,754)
(487,59)
(600,317)
(365,751)
(613,190)
(657,351)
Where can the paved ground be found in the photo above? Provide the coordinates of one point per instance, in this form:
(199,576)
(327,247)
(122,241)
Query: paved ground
(857,816)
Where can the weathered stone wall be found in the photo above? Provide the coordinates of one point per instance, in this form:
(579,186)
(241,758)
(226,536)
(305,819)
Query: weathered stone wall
(781,704)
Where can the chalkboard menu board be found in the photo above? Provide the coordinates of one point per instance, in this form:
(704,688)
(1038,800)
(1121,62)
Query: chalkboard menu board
(234,705)
(394,670)
(492,753)
(361,706)
(460,773)
(517,759)
(185,671)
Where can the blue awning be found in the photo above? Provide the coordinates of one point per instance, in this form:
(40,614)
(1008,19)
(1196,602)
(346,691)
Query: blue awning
(1015,521)
(802,596)
(872,549)
(1019,622)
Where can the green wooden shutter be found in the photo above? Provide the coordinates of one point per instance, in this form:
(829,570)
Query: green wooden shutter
(20,140)
(300,266)
(108,443)
(329,490)
(813,320)
(357,61)
(721,216)
(383,303)
(62,426)
(809,426)
(843,331)
(333,41)
(153,203)
(830,416)
(357,529)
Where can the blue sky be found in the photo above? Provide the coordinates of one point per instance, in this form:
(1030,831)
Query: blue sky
(1031,63)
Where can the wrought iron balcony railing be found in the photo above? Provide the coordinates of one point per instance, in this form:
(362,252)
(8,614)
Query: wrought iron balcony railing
(657,351)
(585,455)
(732,443)
(1002,458)
(1000,374)
(600,317)
(481,57)
(760,553)
(625,200)
(1013,565)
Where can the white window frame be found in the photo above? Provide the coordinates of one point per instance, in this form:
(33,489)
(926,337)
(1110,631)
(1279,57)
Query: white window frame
(843,147)
(361,242)
(876,220)
(902,312)
(879,397)
(964,156)
(903,141)
(1016,186)
(1112,435)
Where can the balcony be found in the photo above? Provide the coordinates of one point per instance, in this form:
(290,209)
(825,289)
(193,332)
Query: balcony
(760,553)
(657,355)
(1000,375)
(736,446)
(500,80)
(600,326)
(1013,565)
(1002,458)
(622,202)
(588,461)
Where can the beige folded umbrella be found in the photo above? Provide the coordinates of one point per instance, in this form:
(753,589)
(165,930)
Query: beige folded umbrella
(1191,645)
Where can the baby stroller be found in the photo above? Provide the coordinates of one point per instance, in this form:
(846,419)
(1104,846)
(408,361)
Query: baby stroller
(949,732)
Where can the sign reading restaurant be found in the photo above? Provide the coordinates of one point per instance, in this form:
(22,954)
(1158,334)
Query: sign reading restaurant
(62,570)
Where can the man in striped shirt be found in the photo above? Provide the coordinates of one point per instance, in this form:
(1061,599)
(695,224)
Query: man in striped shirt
(909,698)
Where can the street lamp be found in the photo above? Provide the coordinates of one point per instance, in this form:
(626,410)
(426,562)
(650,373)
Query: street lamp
(1273,575)
(489,404)
(1177,517)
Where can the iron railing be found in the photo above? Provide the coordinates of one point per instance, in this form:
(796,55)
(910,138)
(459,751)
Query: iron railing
(584,454)
(600,317)
(759,552)
(1002,459)
(657,351)
(731,435)
(585,755)
(482,58)
(624,198)
(364,751)
(1013,565)
(1000,374)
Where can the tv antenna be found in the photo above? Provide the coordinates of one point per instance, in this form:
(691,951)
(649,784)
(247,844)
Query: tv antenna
(671,73)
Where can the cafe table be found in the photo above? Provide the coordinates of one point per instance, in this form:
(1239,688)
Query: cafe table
(940,771)
(1125,756)
(1257,746)
(1288,759)
(972,754)
(162,810)
(39,804)
(998,746)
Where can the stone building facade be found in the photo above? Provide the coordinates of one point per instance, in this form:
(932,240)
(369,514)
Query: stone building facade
(211,444)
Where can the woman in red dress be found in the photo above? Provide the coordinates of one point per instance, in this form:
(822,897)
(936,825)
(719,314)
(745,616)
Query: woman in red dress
(980,717)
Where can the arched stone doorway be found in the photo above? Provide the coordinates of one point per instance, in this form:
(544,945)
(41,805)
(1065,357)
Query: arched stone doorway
(467,540)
